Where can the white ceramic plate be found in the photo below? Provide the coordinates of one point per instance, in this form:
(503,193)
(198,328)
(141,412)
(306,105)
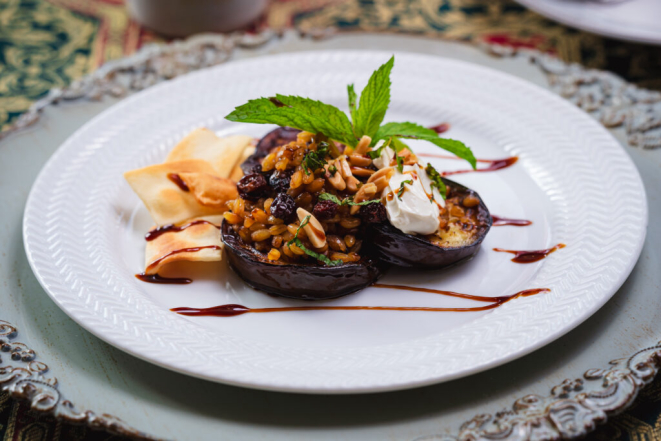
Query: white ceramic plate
(634,20)
(83,231)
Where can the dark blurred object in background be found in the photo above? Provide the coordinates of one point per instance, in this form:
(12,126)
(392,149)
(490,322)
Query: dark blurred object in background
(180,18)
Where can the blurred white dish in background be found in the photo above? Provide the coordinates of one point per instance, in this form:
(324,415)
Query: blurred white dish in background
(634,20)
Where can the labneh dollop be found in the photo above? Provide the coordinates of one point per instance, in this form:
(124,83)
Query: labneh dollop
(416,208)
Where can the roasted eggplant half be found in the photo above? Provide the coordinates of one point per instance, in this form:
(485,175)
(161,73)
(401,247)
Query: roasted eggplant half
(307,281)
(465,224)
(292,231)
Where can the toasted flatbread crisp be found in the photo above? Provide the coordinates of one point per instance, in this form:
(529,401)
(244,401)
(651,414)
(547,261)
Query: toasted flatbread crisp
(203,238)
(168,203)
(222,153)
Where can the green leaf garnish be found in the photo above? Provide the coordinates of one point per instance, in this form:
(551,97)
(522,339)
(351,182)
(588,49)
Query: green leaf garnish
(437,181)
(352,101)
(297,112)
(401,190)
(414,131)
(366,118)
(400,163)
(309,252)
(374,101)
(347,201)
(316,159)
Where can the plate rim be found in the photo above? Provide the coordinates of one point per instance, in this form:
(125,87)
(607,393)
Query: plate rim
(513,355)
(620,34)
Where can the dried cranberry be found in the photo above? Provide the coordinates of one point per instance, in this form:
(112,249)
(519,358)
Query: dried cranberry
(253,186)
(283,207)
(373,213)
(280,180)
(325,210)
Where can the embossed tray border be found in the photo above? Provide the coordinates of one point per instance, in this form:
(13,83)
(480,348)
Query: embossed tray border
(573,408)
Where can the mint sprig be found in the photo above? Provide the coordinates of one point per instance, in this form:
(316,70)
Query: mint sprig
(401,190)
(374,101)
(297,112)
(437,181)
(347,201)
(316,159)
(367,114)
(309,252)
(414,131)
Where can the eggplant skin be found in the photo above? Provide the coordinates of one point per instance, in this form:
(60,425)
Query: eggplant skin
(274,138)
(298,281)
(408,250)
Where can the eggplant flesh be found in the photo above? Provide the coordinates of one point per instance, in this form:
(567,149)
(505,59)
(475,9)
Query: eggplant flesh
(275,138)
(298,281)
(409,250)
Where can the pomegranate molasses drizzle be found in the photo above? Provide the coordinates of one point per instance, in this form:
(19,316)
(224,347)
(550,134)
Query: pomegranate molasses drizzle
(178,181)
(231,310)
(494,164)
(530,256)
(503,221)
(157,278)
(172,228)
(441,128)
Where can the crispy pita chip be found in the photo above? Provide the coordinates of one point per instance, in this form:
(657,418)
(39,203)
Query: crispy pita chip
(209,190)
(222,153)
(201,238)
(237,173)
(166,201)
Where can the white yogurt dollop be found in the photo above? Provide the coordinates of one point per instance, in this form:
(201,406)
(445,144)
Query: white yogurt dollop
(417,211)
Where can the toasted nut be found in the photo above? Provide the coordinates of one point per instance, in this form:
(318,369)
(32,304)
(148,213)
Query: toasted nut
(350,222)
(260,235)
(313,229)
(360,161)
(335,180)
(386,172)
(296,179)
(274,254)
(232,218)
(336,243)
(360,171)
(363,145)
(365,193)
(470,201)
(277,229)
(352,184)
(344,167)
(350,240)
(380,183)
(316,186)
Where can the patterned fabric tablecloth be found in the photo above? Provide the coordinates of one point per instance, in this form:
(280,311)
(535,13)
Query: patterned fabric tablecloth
(49,43)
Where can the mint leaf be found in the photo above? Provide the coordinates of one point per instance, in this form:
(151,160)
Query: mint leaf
(401,190)
(309,252)
(415,131)
(316,159)
(297,112)
(400,163)
(374,101)
(437,181)
(352,101)
(331,197)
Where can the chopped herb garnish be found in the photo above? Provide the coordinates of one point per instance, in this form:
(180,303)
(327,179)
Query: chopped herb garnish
(309,252)
(347,201)
(401,190)
(332,170)
(315,160)
(367,114)
(400,163)
(437,181)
